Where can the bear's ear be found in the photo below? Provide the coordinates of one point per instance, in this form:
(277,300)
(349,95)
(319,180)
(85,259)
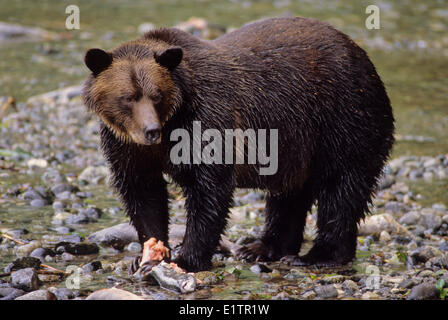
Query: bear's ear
(170,58)
(97,60)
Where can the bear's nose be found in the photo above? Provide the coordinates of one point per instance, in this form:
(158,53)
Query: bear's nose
(152,132)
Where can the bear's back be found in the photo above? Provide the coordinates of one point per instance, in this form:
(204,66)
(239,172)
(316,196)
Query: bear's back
(277,34)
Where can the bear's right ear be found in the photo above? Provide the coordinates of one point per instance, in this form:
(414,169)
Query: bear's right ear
(97,60)
(170,58)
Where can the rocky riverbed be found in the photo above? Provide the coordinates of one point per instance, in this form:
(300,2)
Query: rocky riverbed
(64,234)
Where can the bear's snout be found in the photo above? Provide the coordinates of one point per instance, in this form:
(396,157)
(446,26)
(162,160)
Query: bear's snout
(152,133)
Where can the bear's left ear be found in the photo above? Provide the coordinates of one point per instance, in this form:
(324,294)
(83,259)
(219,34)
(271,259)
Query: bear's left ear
(170,58)
(97,60)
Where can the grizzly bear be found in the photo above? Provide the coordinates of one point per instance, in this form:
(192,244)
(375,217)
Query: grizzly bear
(299,76)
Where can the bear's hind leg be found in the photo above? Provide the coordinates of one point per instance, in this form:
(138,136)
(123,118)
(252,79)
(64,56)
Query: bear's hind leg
(283,229)
(340,208)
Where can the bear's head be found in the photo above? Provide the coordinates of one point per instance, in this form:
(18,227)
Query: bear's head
(132,90)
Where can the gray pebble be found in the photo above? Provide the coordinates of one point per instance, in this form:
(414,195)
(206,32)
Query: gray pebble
(326,292)
(32,194)
(67,256)
(63,230)
(25,279)
(444,246)
(83,248)
(92,212)
(424,291)
(63,293)
(350,285)
(65,195)
(407,284)
(79,218)
(71,238)
(134,247)
(38,295)
(10,293)
(23,263)
(38,203)
(423,254)
(61,187)
(260,268)
(59,205)
(92,266)
(410,218)
(17,233)
(40,253)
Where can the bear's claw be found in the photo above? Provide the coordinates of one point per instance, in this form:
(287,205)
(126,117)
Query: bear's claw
(135,265)
(256,251)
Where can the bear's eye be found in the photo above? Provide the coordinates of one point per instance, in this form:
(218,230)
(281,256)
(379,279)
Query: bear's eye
(129,99)
(156,98)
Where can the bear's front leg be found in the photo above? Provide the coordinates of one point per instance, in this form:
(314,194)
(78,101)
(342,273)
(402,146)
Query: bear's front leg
(208,199)
(146,203)
(138,179)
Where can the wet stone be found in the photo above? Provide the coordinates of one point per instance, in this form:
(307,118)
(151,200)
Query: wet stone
(424,291)
(77,248)
(38,295)
(63,230)
(444,246)
(25,279)
(91,212)
(17,233)
(309,295)
(65,195)
(333,279)
(370,296)
(407,284)
(440,262)
(350,285)
(61,187)
(432,221)
(67,256)
(423,254)
(71,238)
(63,293)
(38,203)
(23,263)
(94,175)
(113,294)
(410,218)
(10,293)
(32,194)
(84,195)
(260,268)
(26,249)
(92,266)
(134,247)
(426,273)
(79,218)
(117,236)
(326,291)
(59,205)
(395,207)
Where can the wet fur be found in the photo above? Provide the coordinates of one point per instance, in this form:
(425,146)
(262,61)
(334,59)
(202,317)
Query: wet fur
(300,76)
